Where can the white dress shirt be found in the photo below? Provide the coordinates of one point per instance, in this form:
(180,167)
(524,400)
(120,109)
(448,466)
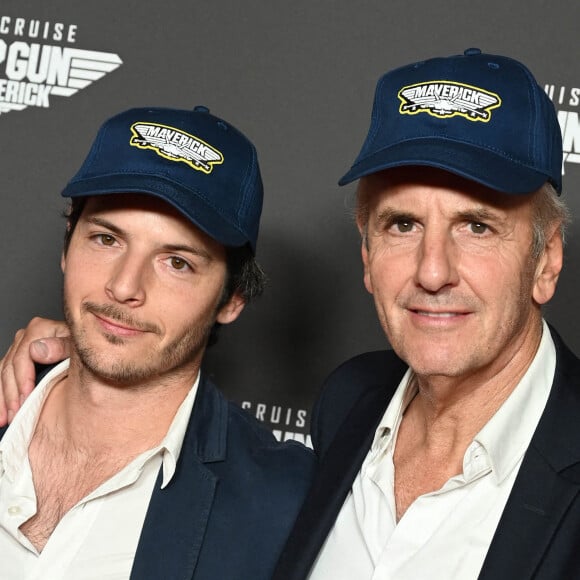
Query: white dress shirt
(97,538)
(444,534)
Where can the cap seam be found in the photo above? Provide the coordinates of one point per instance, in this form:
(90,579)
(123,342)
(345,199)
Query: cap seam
(246,187)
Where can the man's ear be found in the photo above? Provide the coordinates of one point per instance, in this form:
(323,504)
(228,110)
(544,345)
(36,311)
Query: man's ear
(549,267)
(231,309)
(363,231)
(63,255)
(366,270)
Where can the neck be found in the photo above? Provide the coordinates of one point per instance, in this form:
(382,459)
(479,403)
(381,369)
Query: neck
(455,409)
(93,413)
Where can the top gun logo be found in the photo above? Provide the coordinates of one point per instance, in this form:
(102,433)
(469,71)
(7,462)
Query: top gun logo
(446,99)
(286,423)
(32,72)
(176,145)
(567,97)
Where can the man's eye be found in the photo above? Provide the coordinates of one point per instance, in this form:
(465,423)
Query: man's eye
(404,226)
(106,239)
(478,227)
(178,263)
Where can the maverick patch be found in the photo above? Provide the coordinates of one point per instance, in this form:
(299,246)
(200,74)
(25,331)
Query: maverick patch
(446,99)
(175,145)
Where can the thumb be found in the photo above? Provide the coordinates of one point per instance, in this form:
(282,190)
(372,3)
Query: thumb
(49,350)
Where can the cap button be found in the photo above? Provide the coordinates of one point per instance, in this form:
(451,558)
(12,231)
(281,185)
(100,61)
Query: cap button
(472,51)
(201,109)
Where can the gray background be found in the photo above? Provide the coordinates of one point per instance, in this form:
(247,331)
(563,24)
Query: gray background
(298,78)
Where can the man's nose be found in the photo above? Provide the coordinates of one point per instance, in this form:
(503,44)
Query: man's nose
(437,261)
(126,284)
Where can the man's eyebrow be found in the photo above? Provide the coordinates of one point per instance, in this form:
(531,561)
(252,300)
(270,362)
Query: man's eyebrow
(195,250)
(389,215)
(97,221)
(479,214)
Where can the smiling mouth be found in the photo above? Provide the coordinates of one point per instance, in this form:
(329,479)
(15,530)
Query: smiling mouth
(438,314)
(116,321)
(438,318)
(115,327)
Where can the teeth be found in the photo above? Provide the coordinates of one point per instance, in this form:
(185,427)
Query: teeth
(436,314)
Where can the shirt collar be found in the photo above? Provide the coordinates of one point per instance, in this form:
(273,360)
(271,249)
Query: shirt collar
(389,424)
(507,435)
(173,441)
(14,444)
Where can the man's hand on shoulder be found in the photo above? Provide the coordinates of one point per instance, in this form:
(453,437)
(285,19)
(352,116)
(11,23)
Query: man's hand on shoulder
(43,341)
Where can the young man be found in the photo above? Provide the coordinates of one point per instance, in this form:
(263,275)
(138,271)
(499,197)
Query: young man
(126,461)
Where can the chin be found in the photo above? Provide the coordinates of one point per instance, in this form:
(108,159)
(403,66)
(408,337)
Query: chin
(436,364)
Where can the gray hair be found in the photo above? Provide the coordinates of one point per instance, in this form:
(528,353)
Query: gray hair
(549,209)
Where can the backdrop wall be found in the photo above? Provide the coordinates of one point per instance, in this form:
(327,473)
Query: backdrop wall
(298,78)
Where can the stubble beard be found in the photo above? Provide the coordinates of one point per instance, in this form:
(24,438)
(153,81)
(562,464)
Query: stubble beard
(184,350)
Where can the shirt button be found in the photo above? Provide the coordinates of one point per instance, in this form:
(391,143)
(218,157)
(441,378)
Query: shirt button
(14,510)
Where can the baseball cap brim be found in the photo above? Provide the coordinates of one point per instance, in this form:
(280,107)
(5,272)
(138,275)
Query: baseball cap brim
(469,161)
(205,217)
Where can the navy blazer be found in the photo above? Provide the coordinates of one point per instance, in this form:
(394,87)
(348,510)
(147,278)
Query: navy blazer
(538,535)
(234,496)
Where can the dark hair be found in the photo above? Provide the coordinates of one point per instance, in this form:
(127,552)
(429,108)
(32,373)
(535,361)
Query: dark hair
(72,214)
(244,276)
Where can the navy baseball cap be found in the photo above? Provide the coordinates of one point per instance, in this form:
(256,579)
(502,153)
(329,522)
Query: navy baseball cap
(477,115)
(198,163)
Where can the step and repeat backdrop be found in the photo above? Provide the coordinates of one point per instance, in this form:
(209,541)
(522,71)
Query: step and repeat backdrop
(298,78)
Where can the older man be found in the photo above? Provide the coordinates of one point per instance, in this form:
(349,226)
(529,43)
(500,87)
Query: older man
(457,454)
(126,461)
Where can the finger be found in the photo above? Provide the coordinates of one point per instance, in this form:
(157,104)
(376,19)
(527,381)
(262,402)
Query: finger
(17,371)
(44,327)
(49,350)
(3,410)
(9,394)
(21,373)
(3,406)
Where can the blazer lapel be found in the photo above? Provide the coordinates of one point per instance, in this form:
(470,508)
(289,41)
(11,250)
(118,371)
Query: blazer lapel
(174,527)
(333,481)
(538,502)
(547,483)
(176,520)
